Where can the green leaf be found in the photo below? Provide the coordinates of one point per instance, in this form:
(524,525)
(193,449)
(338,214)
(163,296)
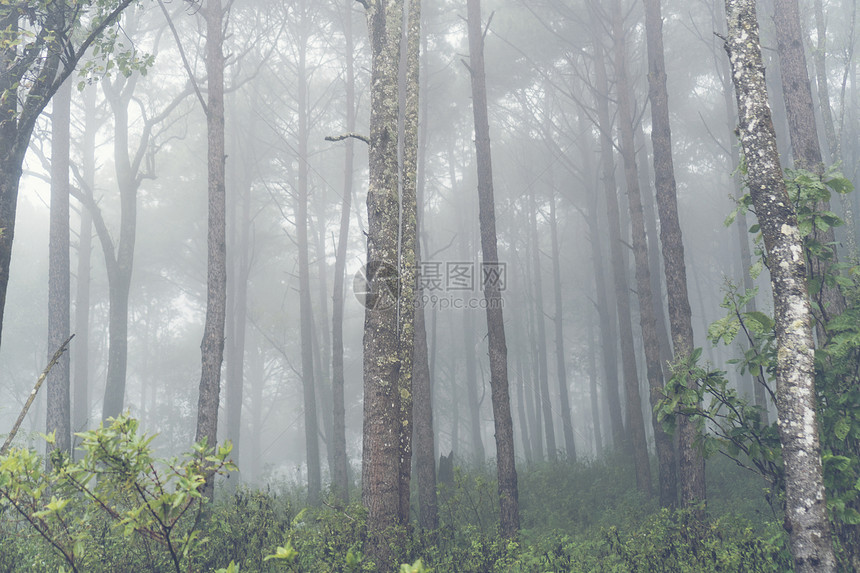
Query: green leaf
(843,426)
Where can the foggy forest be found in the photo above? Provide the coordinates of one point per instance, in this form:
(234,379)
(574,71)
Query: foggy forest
(453,286)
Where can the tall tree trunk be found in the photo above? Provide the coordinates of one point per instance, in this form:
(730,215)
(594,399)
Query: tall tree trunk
(340,462)
(635,439)
(595,399)
(422,381)
(692,464)
(212,346)
(535,402)
(654,259)
(237,318)
(81,399)
(742,226)
(305,307)
(382,412)
(408,242)
(540,332)
(521,413)
(58,417)
(558,319)
(471,383)
(804,136)
(505,461)
(119,259)
(647,319)
(806,515)
(606,316)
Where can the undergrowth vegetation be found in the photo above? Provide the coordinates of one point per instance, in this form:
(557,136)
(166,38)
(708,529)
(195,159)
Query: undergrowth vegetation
(584,516)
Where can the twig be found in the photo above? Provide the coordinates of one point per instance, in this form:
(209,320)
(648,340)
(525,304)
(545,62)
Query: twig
(39,382)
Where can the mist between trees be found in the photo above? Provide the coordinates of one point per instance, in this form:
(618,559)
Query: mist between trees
(371,242)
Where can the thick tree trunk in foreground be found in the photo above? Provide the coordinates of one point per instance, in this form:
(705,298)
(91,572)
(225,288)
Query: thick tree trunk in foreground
(692,464)
(381,462)
(505,462)
(58,417)
(806,515)
(212,346)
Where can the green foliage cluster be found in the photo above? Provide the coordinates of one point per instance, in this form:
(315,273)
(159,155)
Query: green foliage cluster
(117,504)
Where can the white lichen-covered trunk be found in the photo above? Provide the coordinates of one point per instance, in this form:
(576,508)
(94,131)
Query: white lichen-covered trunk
(806,517)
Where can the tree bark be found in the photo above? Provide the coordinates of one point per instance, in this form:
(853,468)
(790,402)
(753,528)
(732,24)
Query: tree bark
(212,345)
(382,411)
(635,438)
(340,467)
(692,464)
(59,266)
(505,460)
(81,398)
(806,515)
(408,244)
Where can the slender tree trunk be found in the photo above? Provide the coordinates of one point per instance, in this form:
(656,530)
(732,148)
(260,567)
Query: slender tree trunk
(806,515)
(505,460)
(340,467)
(408,243)
(81,400)
(635,439)
(692,464)
(471,382)
(521,412)
(535,402)
(540,331)
(654,259)
(305,307)
(647,318)
(58,410)
(595,399)
(212,345)
(235,374)
(119,259)
(558,319)
(606,316)
(425,445)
